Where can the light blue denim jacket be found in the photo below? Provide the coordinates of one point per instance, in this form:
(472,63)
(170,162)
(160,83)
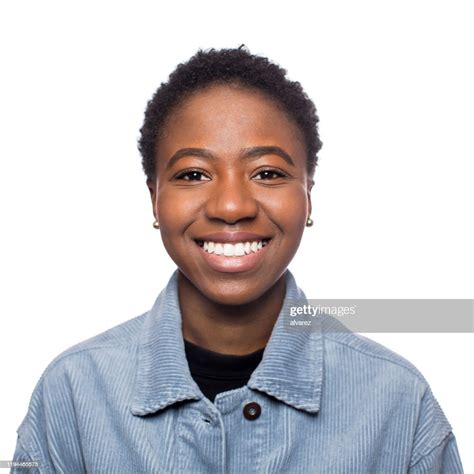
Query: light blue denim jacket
(331,402)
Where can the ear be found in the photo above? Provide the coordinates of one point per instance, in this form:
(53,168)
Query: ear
(151,185)
(309,186)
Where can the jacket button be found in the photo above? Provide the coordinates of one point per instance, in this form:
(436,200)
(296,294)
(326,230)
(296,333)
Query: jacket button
(252,410)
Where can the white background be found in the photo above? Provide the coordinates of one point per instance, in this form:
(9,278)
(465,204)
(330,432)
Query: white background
(393,83)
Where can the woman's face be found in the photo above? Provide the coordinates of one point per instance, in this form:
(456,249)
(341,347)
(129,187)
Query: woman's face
(231,178)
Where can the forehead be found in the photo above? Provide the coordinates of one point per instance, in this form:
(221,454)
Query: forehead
(227,118)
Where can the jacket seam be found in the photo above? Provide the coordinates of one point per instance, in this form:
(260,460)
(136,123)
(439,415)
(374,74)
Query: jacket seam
(32,453)
(385,358)
(60,358)
(422,456)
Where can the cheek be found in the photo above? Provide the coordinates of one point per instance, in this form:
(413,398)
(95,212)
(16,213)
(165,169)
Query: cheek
(175,210)
(175,214)
(288,210)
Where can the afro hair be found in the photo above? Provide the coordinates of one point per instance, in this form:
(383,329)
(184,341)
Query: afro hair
(236,66)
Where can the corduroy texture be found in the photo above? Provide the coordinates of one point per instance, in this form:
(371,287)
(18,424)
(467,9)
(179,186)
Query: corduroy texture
(331,402)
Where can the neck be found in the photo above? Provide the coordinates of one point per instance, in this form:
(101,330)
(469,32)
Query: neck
(236,329)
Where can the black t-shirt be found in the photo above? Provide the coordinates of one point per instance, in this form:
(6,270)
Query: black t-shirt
(215,372)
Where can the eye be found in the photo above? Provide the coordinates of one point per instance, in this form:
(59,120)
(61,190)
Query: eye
(191,175)
(270,174)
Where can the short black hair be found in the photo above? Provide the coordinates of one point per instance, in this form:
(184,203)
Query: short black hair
(236,66)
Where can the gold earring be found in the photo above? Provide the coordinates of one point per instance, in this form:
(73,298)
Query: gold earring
(309,222)
(156,225)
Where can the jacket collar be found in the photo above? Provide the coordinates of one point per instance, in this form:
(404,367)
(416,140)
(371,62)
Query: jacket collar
(291,369)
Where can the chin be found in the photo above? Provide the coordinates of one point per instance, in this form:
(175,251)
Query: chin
(232,293)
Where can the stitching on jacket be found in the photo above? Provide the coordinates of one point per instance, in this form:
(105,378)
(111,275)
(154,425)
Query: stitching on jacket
(446,439)
(413,370)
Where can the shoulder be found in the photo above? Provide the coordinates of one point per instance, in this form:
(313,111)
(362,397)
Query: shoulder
(121,338)
(368,353)
(88,360)
(360,363)
(386,378)
(81,374)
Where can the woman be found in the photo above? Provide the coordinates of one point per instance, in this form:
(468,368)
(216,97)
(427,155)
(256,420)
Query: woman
(211,380)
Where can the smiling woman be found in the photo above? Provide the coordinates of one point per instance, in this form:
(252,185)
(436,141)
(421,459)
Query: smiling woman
(211,379)
(238,164)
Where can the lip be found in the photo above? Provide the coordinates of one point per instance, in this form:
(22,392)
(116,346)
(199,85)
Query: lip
(232,237)
(234,264)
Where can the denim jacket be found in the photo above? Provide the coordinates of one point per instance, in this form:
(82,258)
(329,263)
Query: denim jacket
(329,402)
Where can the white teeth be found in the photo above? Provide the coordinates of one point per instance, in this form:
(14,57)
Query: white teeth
(228,250)
(238,249)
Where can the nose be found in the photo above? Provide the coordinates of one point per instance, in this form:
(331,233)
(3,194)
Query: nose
(231,201)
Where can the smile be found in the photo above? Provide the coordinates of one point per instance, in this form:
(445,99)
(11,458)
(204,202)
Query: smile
(235,257)
(237,249)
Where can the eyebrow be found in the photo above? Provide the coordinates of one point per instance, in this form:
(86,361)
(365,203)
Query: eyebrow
(246,153)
